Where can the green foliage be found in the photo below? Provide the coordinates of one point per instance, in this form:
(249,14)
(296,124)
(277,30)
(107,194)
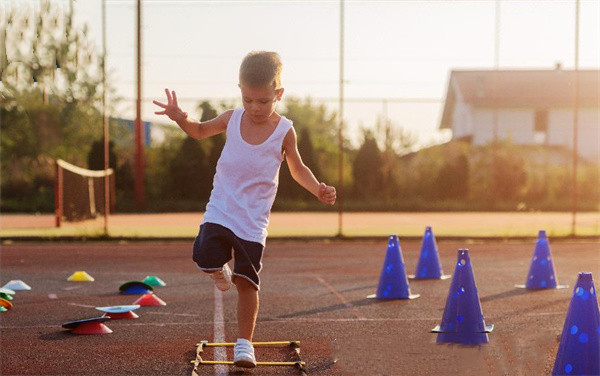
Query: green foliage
(96,156)
(56,117)
(317,141)
(367,169)
(322,132)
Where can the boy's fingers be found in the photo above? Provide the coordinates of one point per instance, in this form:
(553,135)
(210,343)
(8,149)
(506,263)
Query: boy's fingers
(159,104)
(161,113)
(169,99)
(175,99)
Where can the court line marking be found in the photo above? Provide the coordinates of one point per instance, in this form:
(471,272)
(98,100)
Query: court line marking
(219,333)
(81,305)
(274,321)
(174,314)
(340,297)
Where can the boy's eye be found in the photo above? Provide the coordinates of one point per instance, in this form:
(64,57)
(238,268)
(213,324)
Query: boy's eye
(264,102)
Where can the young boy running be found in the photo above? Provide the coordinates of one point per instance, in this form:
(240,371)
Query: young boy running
(244,186)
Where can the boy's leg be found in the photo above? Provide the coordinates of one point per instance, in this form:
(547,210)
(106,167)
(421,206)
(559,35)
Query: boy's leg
(248,257)
(212,251)
(247,308)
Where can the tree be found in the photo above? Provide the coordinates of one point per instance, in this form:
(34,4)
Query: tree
(96,156)
(189,178)
(396,142)
(48,112)
(317,144)
(366,169)
(453,178)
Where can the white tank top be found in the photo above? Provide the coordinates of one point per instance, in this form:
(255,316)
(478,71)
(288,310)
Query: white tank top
(246,181)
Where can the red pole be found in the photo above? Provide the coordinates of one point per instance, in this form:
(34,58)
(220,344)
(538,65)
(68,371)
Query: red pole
(340,188)
(58,197)
(105,123)
(138,126)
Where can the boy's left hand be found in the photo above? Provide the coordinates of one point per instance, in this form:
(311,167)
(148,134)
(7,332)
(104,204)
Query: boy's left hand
(327,194)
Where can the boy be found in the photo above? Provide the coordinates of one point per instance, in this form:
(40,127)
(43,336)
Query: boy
(245,185)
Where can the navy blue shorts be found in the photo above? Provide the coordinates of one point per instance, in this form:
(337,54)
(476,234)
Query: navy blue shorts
(212,250)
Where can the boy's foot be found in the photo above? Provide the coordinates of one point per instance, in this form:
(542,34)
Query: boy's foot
(243,354)
(222,278)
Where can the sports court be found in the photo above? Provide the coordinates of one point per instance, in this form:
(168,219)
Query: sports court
(313,292)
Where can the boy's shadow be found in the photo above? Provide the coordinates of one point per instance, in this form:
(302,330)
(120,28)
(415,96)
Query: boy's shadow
(335,307)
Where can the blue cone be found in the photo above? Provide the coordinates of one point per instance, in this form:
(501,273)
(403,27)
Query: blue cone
(462,321)
(579,348)
(429,266)
(393,283)
(541,272)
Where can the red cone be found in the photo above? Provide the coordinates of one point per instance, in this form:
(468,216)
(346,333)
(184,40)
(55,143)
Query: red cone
(122,315)
(91,328)
(149,300)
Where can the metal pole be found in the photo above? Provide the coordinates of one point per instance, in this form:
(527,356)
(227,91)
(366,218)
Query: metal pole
(139,129)
(495,109)
(575,119)
(105,118)
(340,189)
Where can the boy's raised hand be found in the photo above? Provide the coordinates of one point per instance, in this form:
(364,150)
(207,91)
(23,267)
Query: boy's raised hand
(327,194)
(171,109)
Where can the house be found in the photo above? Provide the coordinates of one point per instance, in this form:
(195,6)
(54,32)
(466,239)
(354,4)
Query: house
(524,106)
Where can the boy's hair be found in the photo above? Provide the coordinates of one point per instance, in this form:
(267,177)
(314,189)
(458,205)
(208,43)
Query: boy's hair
(260,68)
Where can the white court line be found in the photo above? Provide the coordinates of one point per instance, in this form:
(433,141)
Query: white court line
(340,297)
(219,332)
(173,314)
(81,305)
(120,324)
(71,288)
(275,321)
(545,314)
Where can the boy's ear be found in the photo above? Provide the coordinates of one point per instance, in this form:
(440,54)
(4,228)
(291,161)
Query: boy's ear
(280,93)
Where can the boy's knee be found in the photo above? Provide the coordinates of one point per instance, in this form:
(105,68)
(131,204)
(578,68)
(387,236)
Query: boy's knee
(243,284)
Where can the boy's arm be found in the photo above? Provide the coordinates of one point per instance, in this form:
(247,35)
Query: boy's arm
(193,128)
(302,174)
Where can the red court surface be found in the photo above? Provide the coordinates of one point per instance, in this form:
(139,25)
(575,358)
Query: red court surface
(314,292)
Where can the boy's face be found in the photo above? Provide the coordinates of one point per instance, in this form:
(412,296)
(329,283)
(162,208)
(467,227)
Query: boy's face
(260,101)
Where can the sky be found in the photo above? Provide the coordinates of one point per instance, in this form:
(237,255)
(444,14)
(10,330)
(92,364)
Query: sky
(398,50)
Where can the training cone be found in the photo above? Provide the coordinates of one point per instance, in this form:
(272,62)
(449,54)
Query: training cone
(6,296)
(80,276)
(88,326)
(17,285)
(6,304)
(6,291)
(429,266)
(120,312)
(135,288)
(153,280)
(393,283)
(462,321)
(149,300)
(579,348)
(541,272)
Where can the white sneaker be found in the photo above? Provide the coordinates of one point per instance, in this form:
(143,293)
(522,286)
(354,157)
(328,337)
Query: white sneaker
(243,354)
(222,278)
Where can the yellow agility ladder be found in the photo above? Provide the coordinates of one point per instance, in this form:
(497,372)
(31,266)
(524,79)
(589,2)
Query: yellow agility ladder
(295,345)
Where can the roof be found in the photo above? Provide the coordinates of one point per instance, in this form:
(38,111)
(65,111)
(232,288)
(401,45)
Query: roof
(541,89)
